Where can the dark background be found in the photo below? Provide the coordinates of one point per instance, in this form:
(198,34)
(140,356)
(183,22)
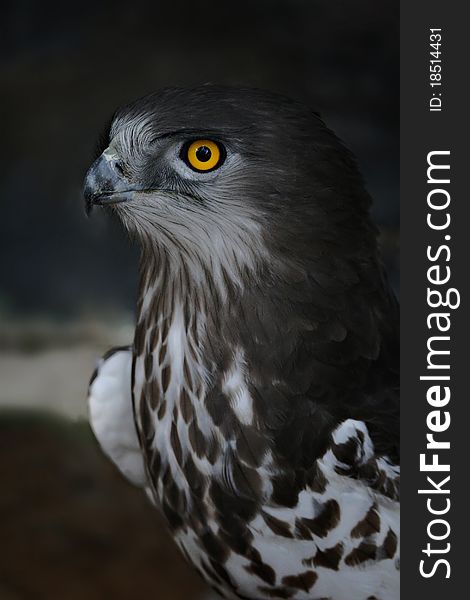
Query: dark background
(67,284)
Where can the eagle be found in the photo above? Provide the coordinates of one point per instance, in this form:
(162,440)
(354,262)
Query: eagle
(258,403)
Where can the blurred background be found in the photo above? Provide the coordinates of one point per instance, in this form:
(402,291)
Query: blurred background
(71,528)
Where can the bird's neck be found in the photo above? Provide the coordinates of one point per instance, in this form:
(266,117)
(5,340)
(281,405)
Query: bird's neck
(203,274)
(187,294)
(275,320)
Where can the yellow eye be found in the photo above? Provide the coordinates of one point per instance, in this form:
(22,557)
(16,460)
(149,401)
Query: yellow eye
(203,155)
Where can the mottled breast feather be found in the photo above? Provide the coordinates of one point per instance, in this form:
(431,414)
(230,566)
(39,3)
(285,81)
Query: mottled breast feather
(276,480)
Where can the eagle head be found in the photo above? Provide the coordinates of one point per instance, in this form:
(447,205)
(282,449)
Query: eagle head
(246,176)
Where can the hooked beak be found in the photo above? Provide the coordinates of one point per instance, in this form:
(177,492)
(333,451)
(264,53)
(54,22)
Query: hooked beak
(105,182)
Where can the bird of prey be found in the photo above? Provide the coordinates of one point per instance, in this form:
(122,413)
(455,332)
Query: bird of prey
(258,402)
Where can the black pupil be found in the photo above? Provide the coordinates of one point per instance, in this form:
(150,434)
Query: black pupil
(203,153)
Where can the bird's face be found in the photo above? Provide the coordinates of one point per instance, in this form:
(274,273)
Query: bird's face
(157,177)
(218,172)
(184,172)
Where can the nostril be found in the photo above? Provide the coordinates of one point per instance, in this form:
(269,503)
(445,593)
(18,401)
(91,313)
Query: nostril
(119,168)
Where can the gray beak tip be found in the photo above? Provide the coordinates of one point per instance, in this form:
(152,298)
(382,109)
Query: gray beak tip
(105,184)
